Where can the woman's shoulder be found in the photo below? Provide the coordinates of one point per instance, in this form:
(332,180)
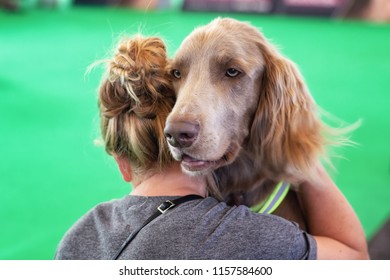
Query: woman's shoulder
(99,218)
(251,234)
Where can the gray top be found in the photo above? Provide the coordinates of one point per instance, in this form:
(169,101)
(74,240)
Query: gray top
(198,229)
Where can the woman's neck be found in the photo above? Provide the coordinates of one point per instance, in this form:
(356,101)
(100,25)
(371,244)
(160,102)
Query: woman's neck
(170,182)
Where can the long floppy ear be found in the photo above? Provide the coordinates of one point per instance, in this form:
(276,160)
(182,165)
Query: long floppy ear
(286,131)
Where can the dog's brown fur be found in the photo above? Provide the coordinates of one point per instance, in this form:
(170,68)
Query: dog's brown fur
(256,128)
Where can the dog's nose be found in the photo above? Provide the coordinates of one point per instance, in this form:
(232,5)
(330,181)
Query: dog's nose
(181,134)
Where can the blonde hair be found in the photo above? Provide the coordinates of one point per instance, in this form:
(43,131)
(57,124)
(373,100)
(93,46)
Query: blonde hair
(135,99)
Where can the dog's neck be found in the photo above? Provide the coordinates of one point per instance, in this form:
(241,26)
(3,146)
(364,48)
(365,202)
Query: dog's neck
(247,187)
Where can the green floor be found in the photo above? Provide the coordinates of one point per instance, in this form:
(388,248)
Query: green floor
(50,170)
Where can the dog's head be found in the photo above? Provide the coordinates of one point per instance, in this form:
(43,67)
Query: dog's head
(234,90)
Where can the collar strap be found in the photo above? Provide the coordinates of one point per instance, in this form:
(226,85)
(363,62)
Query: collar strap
(164,207)
(269,205)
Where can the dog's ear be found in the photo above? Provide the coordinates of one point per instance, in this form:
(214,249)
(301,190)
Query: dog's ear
(286,130)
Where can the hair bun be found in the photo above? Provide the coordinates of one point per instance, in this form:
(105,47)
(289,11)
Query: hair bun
(137,78)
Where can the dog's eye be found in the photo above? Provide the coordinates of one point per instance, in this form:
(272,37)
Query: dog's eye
(176,73)
(232,72)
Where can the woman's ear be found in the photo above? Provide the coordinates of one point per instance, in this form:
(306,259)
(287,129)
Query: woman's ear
(124,167)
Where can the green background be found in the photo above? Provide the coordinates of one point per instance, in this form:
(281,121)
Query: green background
(51,172)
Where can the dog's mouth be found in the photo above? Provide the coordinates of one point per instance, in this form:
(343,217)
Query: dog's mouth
(192,164)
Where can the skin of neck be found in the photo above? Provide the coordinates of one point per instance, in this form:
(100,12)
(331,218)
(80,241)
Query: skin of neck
(170,181)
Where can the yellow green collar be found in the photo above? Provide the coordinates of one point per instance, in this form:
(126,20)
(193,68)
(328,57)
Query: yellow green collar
(269,205)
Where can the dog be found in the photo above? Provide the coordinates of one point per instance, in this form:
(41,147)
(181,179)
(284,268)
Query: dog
(244,113)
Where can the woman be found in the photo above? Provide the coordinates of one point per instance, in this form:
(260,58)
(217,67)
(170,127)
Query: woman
(134,100)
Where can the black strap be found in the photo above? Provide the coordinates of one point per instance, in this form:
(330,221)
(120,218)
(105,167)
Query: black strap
(165,206)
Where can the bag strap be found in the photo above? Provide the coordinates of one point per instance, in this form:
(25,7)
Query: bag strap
(164,207)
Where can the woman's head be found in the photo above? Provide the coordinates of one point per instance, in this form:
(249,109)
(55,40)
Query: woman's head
(135,99)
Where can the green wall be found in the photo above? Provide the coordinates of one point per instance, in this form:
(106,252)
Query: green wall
(50,170)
